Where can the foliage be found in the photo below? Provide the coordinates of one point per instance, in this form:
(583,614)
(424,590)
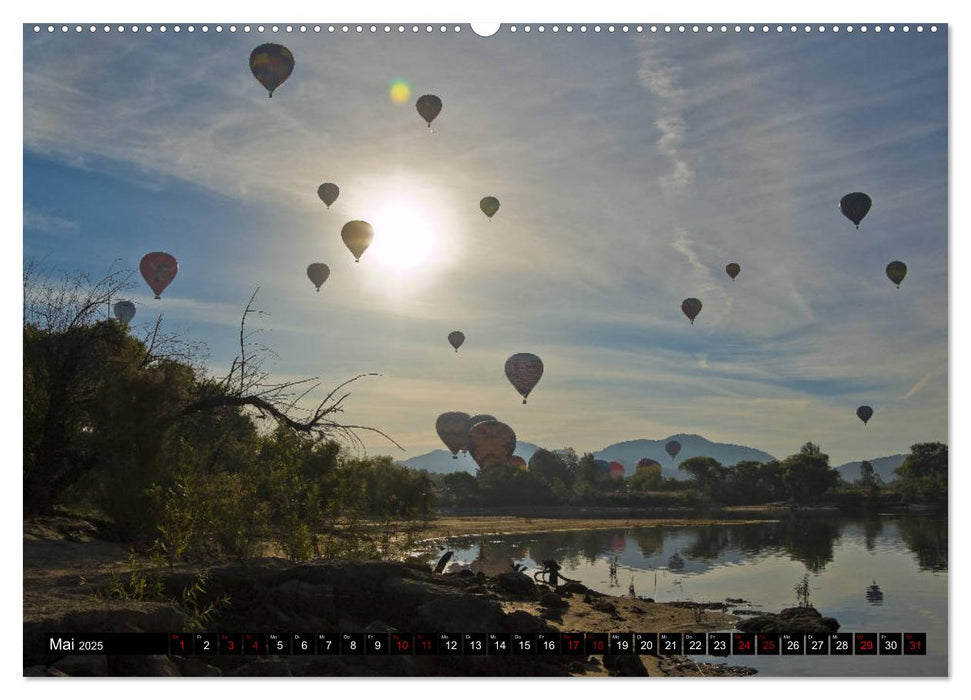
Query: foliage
(802,591)
(923,475)
(807,476)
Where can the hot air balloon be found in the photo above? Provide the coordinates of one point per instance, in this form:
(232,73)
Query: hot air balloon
(124,311)
(864,413)
(453,429)
(489,206)
(479,417)
(733,269)
(603,465)
(328,193)
(616,470)
(645,462)
(673,448)
(158,269)
(524,370)
(896,271)
(517,461)
(318,273)
(691,308)
(357,237)
(271,64)
(428,107)
(854,206)
(491,442)
(455,339)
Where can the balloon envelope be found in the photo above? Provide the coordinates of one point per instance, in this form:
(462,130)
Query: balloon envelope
(691,308)
(855,206)
(603,465)
(489,206)
(328,193)
(864,413)
(645,462)
(673,448)
(479,417)
(733,269)
(158,269)
(517,461)
(318,273)
(271,64)
(428,107)
(453,429)
(124,311)
(896,271)
(616,470)
(491,442)
(524,370)
(357,237)
(455,339)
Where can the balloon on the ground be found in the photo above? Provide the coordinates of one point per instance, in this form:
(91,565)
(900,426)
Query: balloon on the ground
(318,274)
(616,470)
(271,64)
(158,270)
(328,193)
(896,271)
(518,462)
(357,237)
(491,442)
(646,463)
(453,429)
(603,465)
(691,308)
(733,269)
(855,206)
(673,448)
(489,206)
(524,370)
(864,413)
(455,339)
(428,107)
(124,311)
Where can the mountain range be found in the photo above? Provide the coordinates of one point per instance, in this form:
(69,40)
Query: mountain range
(882,466)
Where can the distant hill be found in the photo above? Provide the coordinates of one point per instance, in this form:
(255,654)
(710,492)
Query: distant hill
(441,462)
(628,453)
(883,466)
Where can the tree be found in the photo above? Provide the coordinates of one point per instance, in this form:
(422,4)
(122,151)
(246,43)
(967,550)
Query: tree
(647,477)
(708,475)
(868,478)
(548,466)
(923,474)
(807,476)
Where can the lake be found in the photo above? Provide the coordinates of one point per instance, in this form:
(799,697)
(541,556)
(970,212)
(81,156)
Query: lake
(904,555)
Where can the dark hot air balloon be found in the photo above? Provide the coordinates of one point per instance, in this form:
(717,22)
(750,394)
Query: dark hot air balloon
(328,193)
(271,64)
(489,206)
(124,311)
(854,206)
(691,308)
(455,339)
(603,465)
(864,413)
(428,107)
(158,269)
(491,442)
(318,274)
(733,269)
(518,462)
(896,271)
(357,237)
(673,448)
(453,429)
(524,370)
(646,462)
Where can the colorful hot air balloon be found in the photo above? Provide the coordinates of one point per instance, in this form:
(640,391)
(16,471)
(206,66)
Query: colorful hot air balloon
(524,370)
(328,193)
(271,64)
(896,271)
(616,470)
(158,269)
(357,237)
(489,206)
(733,269)
(517,461)
(453,429)
(691,308)
(854,206)
(673,448)
(124,311)
(479,417)
(318,273)
(455,339)
(864,413)
(491,442)
(428,107)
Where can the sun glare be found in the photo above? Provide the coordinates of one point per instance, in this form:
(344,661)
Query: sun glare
(405,235)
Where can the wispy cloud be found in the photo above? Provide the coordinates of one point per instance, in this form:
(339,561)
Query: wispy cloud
(49,223)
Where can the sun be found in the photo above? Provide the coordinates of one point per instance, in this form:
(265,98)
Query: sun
(405,235)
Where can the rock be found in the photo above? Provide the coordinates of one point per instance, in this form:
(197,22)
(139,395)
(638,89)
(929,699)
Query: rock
(549,599)
(793,620)
(472,614)
(94,665)
(522,621)
(263,667)
(138,665)
(572,587)
(625,665)
(604,606)
(193,666)
(515,583)
(379,626)
(31,671)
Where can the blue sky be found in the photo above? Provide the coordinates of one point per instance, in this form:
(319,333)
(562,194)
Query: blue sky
(630,168)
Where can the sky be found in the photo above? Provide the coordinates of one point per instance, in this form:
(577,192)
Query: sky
(631,168)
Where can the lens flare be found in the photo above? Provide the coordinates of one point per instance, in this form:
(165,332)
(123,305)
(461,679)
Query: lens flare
(400,92)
